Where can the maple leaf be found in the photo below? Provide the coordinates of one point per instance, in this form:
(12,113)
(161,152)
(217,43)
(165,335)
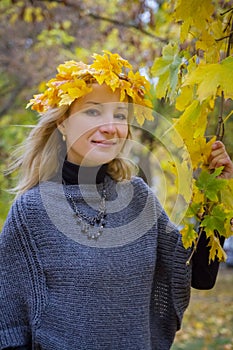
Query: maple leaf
(215,220)
(166,68)
(109,62)
(216,249)
(189,235)
(183,180)
(191,116)
(191,126)
(185,98)
(211,79)
(190,13)
(209,184)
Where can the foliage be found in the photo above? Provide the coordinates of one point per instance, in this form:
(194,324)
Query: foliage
(108,68)
(192,73)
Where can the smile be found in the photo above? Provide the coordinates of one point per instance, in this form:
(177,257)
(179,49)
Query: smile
(104,143)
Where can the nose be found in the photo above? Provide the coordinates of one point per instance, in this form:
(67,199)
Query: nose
(108,127)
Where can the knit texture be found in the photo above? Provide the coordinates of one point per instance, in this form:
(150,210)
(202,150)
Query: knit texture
(61,291)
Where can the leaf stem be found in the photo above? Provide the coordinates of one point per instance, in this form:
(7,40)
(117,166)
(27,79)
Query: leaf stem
(228,116)
(200,231)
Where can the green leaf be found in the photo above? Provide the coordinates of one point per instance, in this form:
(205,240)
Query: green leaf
(215,220)
(210,184)
(166,69)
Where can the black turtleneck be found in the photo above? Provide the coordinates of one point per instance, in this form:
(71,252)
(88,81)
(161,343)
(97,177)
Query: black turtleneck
(73,174)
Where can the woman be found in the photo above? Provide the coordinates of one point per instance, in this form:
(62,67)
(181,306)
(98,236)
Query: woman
(89,259)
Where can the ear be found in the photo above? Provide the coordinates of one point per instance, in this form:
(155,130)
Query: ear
(61,127)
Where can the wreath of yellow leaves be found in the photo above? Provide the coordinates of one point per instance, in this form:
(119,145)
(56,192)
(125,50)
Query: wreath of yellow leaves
(74,80)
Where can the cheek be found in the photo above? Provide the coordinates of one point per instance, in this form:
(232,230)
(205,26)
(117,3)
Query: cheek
(73,134)
(124,131)
(76,130)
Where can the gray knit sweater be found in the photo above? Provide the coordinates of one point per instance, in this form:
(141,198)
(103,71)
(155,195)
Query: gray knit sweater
(62,291)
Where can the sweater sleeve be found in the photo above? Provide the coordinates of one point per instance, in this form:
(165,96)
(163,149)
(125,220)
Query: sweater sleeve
(204,274)
(19,281)
(172,281)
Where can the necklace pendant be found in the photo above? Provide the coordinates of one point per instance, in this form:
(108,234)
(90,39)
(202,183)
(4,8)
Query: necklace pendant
(101,229)
(90,235)
(85,227)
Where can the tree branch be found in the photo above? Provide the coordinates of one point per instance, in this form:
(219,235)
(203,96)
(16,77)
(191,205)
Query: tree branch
(129,25)
(126,25)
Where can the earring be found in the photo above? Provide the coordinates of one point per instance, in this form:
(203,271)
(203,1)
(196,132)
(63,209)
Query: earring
(63,137)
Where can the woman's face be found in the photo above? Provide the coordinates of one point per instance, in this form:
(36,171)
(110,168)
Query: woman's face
(97,127)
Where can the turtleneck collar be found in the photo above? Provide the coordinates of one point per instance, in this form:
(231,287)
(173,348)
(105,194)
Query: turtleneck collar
(74,174)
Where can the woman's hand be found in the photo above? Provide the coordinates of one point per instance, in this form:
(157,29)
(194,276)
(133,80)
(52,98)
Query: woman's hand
(219,157)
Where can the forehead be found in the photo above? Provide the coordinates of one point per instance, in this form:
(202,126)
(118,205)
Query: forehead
(99,94)
(102,93)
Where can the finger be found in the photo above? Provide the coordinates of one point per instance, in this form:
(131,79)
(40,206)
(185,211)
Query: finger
(221,159)
(217,145)
(218,150)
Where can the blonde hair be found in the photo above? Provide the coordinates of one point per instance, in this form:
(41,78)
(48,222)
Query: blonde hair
(41,155)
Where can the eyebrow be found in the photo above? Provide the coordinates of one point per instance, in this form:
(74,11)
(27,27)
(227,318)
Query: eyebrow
(101,104)
(92,102)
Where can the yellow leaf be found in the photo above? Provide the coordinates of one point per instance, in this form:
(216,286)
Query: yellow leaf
(185,98)
(28,14)
(183,179)
(14,18)
(212,78)
(198,197)
(194,13)
(189,235)
(66,24)
(39,14)
(205,41)
(216,249)
(184,31)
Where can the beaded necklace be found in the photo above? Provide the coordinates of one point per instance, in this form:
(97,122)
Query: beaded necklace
(91,226)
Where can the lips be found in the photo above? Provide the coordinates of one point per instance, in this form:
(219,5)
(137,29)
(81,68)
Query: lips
(104,142)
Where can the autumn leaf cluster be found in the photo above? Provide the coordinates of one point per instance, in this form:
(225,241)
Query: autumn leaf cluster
(196,83)
(74,78)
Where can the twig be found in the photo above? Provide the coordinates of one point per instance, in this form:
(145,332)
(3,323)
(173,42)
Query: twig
(225,12)
(220,125)
(225,37)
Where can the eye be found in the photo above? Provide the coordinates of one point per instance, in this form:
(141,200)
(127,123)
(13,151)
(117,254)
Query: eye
(92,112)
(120,116)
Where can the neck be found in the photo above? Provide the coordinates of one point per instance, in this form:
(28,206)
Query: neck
(74,174)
